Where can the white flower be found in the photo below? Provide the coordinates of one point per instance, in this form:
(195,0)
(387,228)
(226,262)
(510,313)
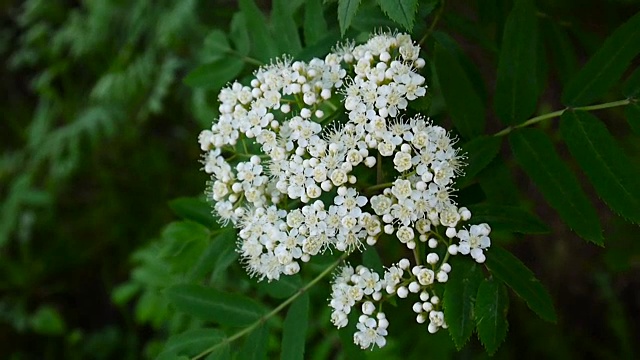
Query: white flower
(371,331)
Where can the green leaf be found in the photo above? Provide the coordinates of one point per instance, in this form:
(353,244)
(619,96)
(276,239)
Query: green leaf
(240,34)
(47,321)
(492,305)
(315,26)
(151,308)
(294,329)
(402,12)
(468,65)
(631,87)
(561,50)
(215,46)
(185,240)
(285,27)
(606,66)
(216,74)
(216,255)
(283,288)
(498,184)
(632,114)
(463,103)
(535,153)
(516,85)
(610,171)
(193,342)
(213,305)
(262,42)
(371,259)
(255,346)
(479,152)
(347,9)
(459,299)
(123,293)
(507,218)
(506,267)
(194,209)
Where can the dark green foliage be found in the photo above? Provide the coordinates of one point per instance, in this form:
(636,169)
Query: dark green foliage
(463,103)
(262,44)
(402,12)
(295,329)
(492,304)
(604,162)
(99,134)
(255,346)
(479,153)
(632,113)
(535,153)
(507,268)
(213,305)
(315,26)
(460,299)
(606,66)
(508,218)
(193,342)
(517,82)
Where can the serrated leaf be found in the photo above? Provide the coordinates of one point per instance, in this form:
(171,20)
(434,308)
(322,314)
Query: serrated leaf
(516,88)
(371,18)
(347,9)
(255,346)
(263,45)
(509,269)
(631,87)
(606,66)
(632,114)
(459,299)
(479,153)
(214,258)
(402,12)
(492,304)
(463,103)
(213,305)
(194,209)
(315,25)
(612,174)
(507,218)
(294,329)
(216,74)
(535,153)
(193,342)
(285,27)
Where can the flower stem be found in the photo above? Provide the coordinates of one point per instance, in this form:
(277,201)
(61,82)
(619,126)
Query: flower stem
(266,317)
(558,113)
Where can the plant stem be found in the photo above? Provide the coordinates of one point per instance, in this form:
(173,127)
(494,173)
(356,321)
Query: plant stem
(378,187)
(266,317)
(558,113)
(433,23)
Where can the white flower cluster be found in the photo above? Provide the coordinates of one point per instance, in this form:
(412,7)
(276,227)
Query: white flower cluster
(291,186)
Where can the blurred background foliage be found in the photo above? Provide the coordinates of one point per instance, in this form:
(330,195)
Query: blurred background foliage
(99,154)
